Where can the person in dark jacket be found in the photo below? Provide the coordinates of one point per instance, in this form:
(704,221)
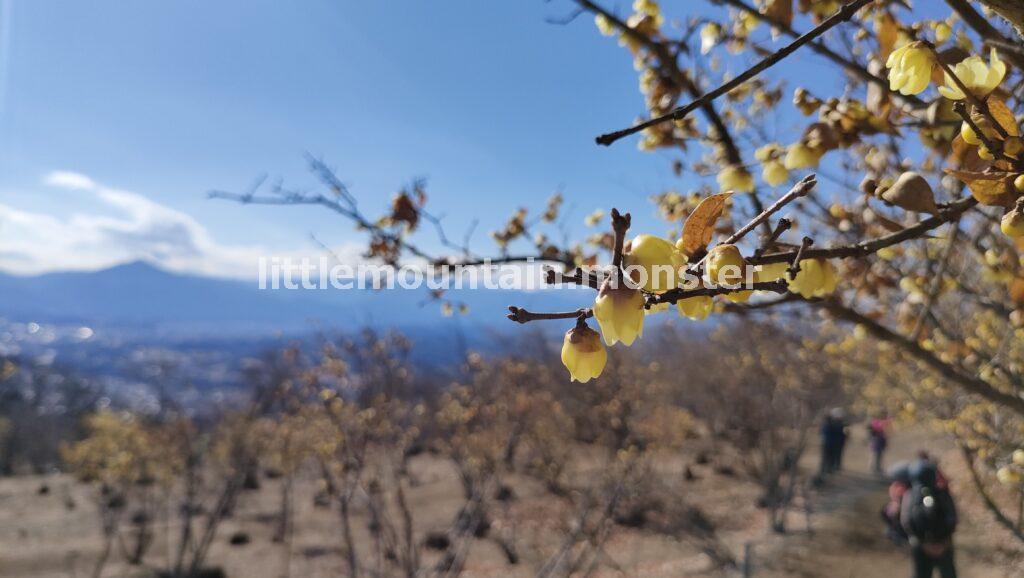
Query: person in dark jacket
(928,517)
(833,441)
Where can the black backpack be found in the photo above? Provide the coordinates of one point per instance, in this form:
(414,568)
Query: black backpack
(927,512)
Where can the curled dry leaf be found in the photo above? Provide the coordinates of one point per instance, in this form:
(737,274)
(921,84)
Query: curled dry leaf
(993,188)
(1003,115)
(700,225)
(911,192)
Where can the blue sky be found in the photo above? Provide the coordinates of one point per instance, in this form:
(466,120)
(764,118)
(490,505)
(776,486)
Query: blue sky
(155,103)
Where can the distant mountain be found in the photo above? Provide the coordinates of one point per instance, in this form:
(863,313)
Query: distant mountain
(144,297)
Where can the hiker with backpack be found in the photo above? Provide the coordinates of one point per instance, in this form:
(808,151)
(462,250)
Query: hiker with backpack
(921,512)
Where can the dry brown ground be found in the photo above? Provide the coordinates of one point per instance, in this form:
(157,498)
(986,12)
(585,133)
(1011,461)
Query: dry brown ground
(41,537)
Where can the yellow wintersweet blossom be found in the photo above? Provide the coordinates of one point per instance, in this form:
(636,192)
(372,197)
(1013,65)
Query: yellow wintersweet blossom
(976,76)
(1018,457)
(583,354)
(773,171)
(736,178)
(816,278)
(696,308)
(801,156)
(658,260)
(725,265)
(910,68)
(619,311)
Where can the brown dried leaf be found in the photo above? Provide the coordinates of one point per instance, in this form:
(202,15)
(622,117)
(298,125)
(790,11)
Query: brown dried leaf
(1003,115)
(990,188)
(887,32)
(700,225)
(780,11)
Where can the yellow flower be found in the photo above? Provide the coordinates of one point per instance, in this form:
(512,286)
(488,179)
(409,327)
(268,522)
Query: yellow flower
(1009,476)
(1012,224)
(739,296)
(910,68)
(976,76)
(801,156)
(696,308)
(658,262)
(725,265)
(1018,457)
(583,354)
(771,272)
(736,178)
(620,312)
(816,278)
(774,173)
(604,25)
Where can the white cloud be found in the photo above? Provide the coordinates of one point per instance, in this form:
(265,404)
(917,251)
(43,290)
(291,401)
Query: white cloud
(32,242)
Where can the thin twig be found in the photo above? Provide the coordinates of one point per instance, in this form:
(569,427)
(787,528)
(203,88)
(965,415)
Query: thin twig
(802,188)
(844,14)
(520,315)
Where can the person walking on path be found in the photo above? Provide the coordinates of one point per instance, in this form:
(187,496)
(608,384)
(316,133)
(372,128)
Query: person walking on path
(928,516)
(878,440)
(833,439)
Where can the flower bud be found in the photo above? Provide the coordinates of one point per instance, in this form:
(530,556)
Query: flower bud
(619,311)
(1012,224)
(725,265)
(659,260)
(583,354)
(1009,476)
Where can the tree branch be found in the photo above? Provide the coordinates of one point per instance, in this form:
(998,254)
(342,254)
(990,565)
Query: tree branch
(844,14)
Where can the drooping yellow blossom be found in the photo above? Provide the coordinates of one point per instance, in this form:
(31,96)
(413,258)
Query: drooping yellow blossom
(976,76)
(657,261)
(736,178)
(696,308)
(620,312)
(910,68)
(816,278)
(801,156)
(583,354)
(725,265)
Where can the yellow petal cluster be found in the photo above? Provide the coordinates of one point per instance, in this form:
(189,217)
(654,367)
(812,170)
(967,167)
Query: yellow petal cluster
(910,68)
(659,261)
(696,308)
(816,278)
(583,354)
(1012,224)
(773,171)
(620,312)
(979,78)
(736,178)
(725,265)
(801,156)
(1009,476)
